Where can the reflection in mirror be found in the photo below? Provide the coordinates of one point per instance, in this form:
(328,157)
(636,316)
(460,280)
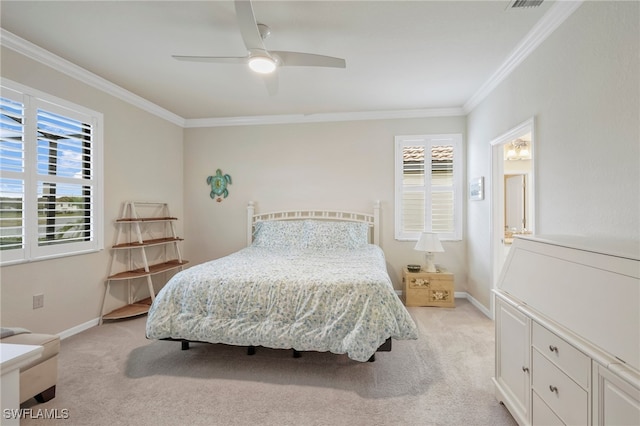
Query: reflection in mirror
(517,167)
(515,216)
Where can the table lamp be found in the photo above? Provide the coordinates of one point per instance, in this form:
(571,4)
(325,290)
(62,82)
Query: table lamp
(429,243)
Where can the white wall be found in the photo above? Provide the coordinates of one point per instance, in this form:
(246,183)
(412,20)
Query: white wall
(343,166)
(143,160)
(582,86)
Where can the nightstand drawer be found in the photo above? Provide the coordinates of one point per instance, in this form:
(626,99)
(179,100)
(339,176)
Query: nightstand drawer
(567,400)
(566,357)
(430,297)
(421,280)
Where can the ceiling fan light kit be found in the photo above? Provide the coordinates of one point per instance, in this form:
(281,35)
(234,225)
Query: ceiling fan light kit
(262,64)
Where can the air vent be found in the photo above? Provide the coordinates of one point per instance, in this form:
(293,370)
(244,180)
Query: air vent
(519,4)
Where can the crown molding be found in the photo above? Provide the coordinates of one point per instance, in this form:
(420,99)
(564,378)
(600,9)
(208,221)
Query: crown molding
(30,50)
(322,117)
(554,17)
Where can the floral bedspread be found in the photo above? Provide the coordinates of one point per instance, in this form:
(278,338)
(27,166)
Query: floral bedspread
(341,301)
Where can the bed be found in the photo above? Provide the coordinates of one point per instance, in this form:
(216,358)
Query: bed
(307,281)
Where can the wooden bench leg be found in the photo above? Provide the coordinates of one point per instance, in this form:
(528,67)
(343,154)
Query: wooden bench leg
(46,395)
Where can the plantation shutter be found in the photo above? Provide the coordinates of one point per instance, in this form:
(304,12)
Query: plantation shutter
(442,189)
(64,176)
(65,184)
(12,177)
(428,186)
(415,174)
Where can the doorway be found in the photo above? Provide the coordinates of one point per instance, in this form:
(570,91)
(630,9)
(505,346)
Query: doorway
(513,199)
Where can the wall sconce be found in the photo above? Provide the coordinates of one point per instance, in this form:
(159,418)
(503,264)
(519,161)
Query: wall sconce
(518,150)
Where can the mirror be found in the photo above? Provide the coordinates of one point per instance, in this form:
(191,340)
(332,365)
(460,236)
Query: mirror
(515,217)
(517,167)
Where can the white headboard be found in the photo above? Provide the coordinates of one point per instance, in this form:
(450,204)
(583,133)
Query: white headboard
(373,219)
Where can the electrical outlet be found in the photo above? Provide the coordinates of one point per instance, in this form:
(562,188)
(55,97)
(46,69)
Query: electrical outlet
(38,301)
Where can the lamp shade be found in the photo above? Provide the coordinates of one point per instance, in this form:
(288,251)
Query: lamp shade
(429,242)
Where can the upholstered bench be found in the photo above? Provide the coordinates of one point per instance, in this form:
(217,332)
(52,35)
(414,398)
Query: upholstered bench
(37,379)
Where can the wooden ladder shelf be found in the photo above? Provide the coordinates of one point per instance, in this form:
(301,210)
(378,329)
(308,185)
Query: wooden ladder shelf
(143,229)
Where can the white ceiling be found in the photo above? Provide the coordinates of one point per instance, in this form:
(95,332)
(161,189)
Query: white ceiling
(400,55)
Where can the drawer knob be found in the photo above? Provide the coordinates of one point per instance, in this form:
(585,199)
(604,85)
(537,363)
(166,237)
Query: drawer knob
(553,389)
(553,348)
(525,369)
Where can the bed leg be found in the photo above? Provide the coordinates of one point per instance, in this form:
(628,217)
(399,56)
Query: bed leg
(296,354)
(185,345)
(386,346)
(251,350)
(372,359)
(46,395)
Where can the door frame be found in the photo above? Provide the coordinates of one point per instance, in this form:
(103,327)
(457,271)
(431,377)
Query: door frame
(497,191)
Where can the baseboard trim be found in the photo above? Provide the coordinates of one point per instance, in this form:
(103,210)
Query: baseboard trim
(464,295)
(79,328)
(479,306)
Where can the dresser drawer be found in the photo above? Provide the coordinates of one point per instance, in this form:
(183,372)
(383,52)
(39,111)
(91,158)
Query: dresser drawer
(568,400)
(542,414)
(569,359)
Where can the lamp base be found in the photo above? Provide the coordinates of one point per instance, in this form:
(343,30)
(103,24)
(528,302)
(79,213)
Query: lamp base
(429,265)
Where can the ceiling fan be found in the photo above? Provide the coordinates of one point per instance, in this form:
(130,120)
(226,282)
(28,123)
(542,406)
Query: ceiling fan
(260,59)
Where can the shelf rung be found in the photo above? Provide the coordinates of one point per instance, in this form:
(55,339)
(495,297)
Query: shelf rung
(147,243)
(145,219)
(153,269)
(138,308)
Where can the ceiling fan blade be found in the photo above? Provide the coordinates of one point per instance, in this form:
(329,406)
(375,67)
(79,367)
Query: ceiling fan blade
(297,59)
(216,59)
(248,25)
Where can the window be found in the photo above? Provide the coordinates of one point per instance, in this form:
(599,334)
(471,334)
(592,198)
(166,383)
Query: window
(428,186)
(50,176)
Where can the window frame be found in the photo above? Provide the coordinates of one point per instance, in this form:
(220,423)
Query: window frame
(428,141)
(32,101)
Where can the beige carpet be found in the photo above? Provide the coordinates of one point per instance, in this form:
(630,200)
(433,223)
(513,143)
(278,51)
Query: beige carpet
(112,375)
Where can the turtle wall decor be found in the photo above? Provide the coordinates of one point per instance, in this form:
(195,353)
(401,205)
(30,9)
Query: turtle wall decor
(219,184)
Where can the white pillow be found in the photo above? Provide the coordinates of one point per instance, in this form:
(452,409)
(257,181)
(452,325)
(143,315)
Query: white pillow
(323,235)
(279,234)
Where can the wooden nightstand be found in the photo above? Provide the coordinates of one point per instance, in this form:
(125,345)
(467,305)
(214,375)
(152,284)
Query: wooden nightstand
(428,288)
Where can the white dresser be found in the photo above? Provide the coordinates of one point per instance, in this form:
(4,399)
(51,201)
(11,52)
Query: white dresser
(567,317)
